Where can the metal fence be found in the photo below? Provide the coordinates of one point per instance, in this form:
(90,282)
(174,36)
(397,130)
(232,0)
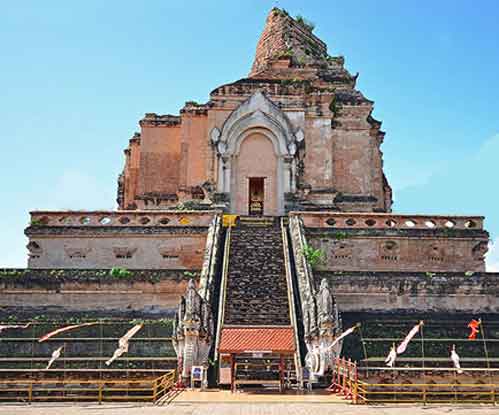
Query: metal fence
(402,389)
(31,390)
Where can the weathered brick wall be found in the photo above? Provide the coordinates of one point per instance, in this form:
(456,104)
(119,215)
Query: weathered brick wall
(160,155)
(404,292)
(384,242)
(197,152)
(131,173)
(354,168)
(338,164)
(281,35)
(133,239)
(92,291)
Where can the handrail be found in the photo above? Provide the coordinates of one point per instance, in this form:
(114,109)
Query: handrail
(346,382)
(292,305)
(90,339)
(209,263)
(86,358)
(223,290)
(29,390)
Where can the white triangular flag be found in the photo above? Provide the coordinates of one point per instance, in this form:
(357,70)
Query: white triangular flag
(55,355)
(392,356)
(14,326)
(123,343)
(403,346)
(343,335)
(64,329)
(455,359)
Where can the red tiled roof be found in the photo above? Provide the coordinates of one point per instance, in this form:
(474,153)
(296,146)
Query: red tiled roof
(261,339)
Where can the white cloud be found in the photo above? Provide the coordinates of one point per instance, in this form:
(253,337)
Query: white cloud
(492,258)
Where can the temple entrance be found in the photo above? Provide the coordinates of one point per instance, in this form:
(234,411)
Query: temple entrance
(256,196)
(255,179)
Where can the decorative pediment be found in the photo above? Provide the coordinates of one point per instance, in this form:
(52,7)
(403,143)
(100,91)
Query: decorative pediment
(257,113)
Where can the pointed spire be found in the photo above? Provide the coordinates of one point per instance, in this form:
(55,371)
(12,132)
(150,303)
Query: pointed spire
(285,38)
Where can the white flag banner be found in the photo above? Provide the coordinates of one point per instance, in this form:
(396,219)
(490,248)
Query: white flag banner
(64,329)
(403,346)
(14,326)
(55,355)
(392,356)
(455,359)
(343,335)
(123,343)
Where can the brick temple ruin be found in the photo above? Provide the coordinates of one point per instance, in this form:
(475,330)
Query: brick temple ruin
(293,152)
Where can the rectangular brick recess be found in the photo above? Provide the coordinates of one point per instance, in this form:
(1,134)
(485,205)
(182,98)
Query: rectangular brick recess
(265,339)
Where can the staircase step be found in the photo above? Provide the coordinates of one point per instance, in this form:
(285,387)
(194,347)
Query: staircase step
(257,287)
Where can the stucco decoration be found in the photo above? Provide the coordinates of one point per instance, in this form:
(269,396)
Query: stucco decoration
(321,318)
(322,325)
(215,135)
(193,333)
(258,111)
(258,114)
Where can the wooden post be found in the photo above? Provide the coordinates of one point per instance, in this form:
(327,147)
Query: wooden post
(30,393)
(350,376)
(154,390)
(281,373)
(355,385)
(335,375)
(100,393)
(344,382)
(232,374)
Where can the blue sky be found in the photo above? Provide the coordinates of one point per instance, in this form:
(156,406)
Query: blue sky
(77,76)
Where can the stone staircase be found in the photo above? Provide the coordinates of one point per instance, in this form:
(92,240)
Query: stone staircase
(256,287)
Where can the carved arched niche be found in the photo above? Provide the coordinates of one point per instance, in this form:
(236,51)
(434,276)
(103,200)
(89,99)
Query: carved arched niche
(257,116)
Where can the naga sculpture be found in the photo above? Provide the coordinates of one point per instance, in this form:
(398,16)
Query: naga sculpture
(322,325)
(193,334)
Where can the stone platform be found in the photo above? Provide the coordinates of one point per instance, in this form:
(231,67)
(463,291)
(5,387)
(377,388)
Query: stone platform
(256,396)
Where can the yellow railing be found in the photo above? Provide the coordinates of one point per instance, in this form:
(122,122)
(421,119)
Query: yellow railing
(163,385)
(427,393)
(31,390)
(347,383)
(229,220)
(345,379)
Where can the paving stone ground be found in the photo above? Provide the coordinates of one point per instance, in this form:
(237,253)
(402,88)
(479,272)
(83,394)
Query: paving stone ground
(185,408)
(223,402)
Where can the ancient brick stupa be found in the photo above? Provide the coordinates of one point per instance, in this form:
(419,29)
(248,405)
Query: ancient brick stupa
(294,152)
(294,135)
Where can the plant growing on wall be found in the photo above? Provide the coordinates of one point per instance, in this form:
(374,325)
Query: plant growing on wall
(190,274)
(307,24)
(120,273)
(340,235)
(313,256)
(187,205)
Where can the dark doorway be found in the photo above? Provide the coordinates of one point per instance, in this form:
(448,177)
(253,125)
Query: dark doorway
(256,195)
